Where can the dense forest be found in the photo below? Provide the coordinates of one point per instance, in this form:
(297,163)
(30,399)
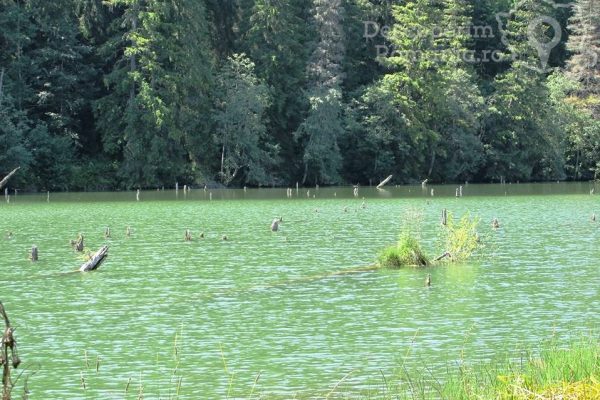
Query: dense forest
(121,94)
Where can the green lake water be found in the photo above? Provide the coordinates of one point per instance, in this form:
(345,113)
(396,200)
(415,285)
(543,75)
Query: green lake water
(273,303)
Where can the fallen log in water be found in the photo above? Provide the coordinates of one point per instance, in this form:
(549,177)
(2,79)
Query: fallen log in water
(445,255)
(7,177)
(385,181)
(95,261)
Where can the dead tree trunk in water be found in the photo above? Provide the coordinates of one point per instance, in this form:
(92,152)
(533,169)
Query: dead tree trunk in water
(34,254)
(95,261)
(385,182)
(5,180)
(8,342)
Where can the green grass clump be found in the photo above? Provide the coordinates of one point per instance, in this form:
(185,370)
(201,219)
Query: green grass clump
(553,372)
(406,253)
(571,372)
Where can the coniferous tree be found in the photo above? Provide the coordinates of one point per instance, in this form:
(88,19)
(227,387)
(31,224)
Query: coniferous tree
(522,141)
(425,113)
(323,126)
(240,127)
(158,89)
(275,35)
(584,43)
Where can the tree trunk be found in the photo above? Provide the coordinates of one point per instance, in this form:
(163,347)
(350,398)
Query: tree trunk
(1,82)
(577,165)
(385,181)
(305,174)
(5,180)
(132,60)
(95,261)
(223,162)
(432,162)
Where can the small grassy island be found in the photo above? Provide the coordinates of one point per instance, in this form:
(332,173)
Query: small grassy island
(459,240)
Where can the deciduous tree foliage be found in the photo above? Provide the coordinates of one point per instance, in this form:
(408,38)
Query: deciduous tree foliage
(112,94)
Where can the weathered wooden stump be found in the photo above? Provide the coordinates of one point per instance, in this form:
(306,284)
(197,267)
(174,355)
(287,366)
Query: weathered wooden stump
(495,223)
(275,225)
(428,280)
(224,238)
(34,254)
(78,244)
(128,231)
(201,235)
(188,235)
(444,217)
(95,261)
(107,232)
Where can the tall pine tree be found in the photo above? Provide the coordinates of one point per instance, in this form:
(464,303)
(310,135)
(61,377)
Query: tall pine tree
(323,125)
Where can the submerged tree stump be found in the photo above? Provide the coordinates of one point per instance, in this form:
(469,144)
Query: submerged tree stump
(78,244)
(107,232)
(95,261)
(34,254)
(275,225)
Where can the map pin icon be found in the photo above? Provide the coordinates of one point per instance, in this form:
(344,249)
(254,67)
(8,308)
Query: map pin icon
(544,49)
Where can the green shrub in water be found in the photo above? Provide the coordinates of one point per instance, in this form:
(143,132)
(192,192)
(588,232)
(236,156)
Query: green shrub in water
(406,253)
(460,237)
